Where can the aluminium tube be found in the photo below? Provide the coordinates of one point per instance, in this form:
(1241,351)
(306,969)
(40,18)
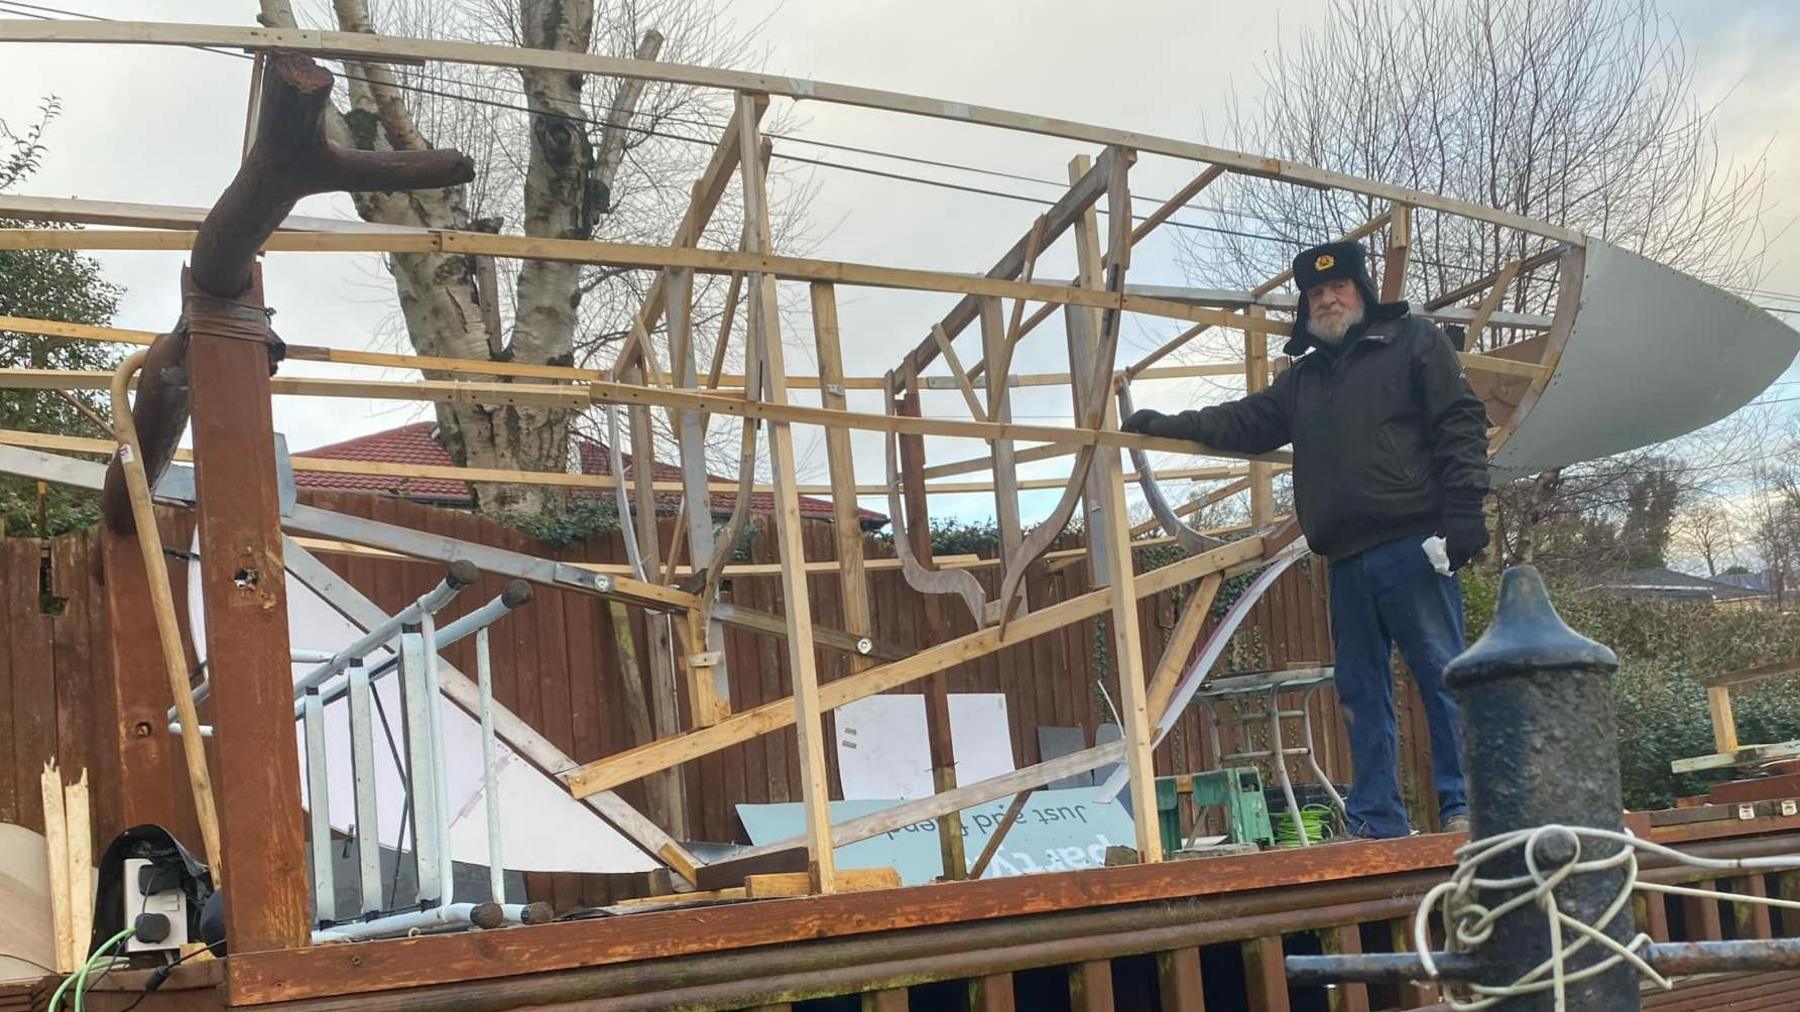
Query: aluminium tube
(420,766)
(318,811)
(362,773)
(490,787)
(450,915)
(517,594)
(440,778)
(461,573)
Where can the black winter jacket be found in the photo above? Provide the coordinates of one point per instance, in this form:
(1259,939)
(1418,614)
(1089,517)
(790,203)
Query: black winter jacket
(1387,433)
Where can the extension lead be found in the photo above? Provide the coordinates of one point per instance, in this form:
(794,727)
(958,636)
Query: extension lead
(79,978)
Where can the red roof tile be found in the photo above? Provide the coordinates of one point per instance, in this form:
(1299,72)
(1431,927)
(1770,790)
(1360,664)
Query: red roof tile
(413,444)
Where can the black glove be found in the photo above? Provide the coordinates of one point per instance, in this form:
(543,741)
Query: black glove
(1464,529)
(1150,422)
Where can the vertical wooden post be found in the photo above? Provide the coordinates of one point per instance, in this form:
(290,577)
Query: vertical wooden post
(1751,920)
(1399,249)
(1345,940)
(1412,993)
(1109,547)
(1179,986)
(1700,914)
(139,688)
(1652,913)
(993,993)
(765,323)
(665,710)
(1006,473)
(853,581)
(1724,722)
(1083,326)
(1256,377)
(893,1000)
(709,681)
(1091,986)
(244,587)
(1264,977)
(937,686)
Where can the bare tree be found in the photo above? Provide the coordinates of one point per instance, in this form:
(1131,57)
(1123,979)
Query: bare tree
(1577,112)
(558,155)
(1706,530)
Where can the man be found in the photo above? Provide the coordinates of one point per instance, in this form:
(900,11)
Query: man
(1390,449)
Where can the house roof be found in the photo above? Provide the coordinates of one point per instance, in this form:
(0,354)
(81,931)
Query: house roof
(1667,583)
(414,444)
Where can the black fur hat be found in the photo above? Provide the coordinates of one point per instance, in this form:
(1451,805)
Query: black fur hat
(1329,262)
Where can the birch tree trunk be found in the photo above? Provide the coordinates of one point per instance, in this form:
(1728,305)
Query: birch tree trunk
(440,299)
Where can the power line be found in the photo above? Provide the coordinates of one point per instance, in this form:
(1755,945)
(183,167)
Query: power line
(820,163)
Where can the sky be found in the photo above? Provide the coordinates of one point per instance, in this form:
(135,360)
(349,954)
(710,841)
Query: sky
(1158,66)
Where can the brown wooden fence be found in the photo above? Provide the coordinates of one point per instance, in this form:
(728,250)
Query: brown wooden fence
(556,665)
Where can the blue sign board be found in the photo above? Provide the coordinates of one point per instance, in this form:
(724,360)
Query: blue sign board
(1056,831)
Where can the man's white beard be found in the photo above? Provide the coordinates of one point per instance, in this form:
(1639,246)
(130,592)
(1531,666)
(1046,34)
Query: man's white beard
(1333,333)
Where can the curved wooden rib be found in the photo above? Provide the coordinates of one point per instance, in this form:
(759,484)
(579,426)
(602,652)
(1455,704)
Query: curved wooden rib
(926,581)
(1191,541)
(709,578)
(1038,541)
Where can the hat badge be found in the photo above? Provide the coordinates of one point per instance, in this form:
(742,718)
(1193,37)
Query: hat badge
(1325,262)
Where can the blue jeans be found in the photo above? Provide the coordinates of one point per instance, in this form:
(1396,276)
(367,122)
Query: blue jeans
(1385,596)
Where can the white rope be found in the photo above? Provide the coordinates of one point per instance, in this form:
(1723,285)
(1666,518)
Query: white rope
(1468,924)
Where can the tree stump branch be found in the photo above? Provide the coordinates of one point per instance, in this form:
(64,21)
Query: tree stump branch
(290,159)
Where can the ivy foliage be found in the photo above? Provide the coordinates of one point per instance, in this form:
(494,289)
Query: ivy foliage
(50,285)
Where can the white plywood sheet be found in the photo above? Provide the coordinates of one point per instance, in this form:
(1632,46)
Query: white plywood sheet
(1652,354)
(883,752)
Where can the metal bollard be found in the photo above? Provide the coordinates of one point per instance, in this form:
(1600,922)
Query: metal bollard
(1540,749)
(1539,746)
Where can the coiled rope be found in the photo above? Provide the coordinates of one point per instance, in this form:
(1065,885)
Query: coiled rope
(1468,923)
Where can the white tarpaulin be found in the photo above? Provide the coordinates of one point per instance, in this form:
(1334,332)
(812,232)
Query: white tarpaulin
(543,828)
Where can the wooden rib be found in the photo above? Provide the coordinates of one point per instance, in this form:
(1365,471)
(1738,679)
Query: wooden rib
(841,462)
(1075,201)
(992,847)
(976,410)
(1528,264)
(1195,505)
(1491,302)
(1113,532)
(744,725)
(1175,203)
(1033,246)
(709,684)
(1190,540)
(626,255)
(1399,251)
(1004,458)
(1256,379)
(918,576)
(707,191)
(1181,643)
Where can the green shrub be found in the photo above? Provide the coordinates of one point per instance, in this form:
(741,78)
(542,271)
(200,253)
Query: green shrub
(1664,651)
